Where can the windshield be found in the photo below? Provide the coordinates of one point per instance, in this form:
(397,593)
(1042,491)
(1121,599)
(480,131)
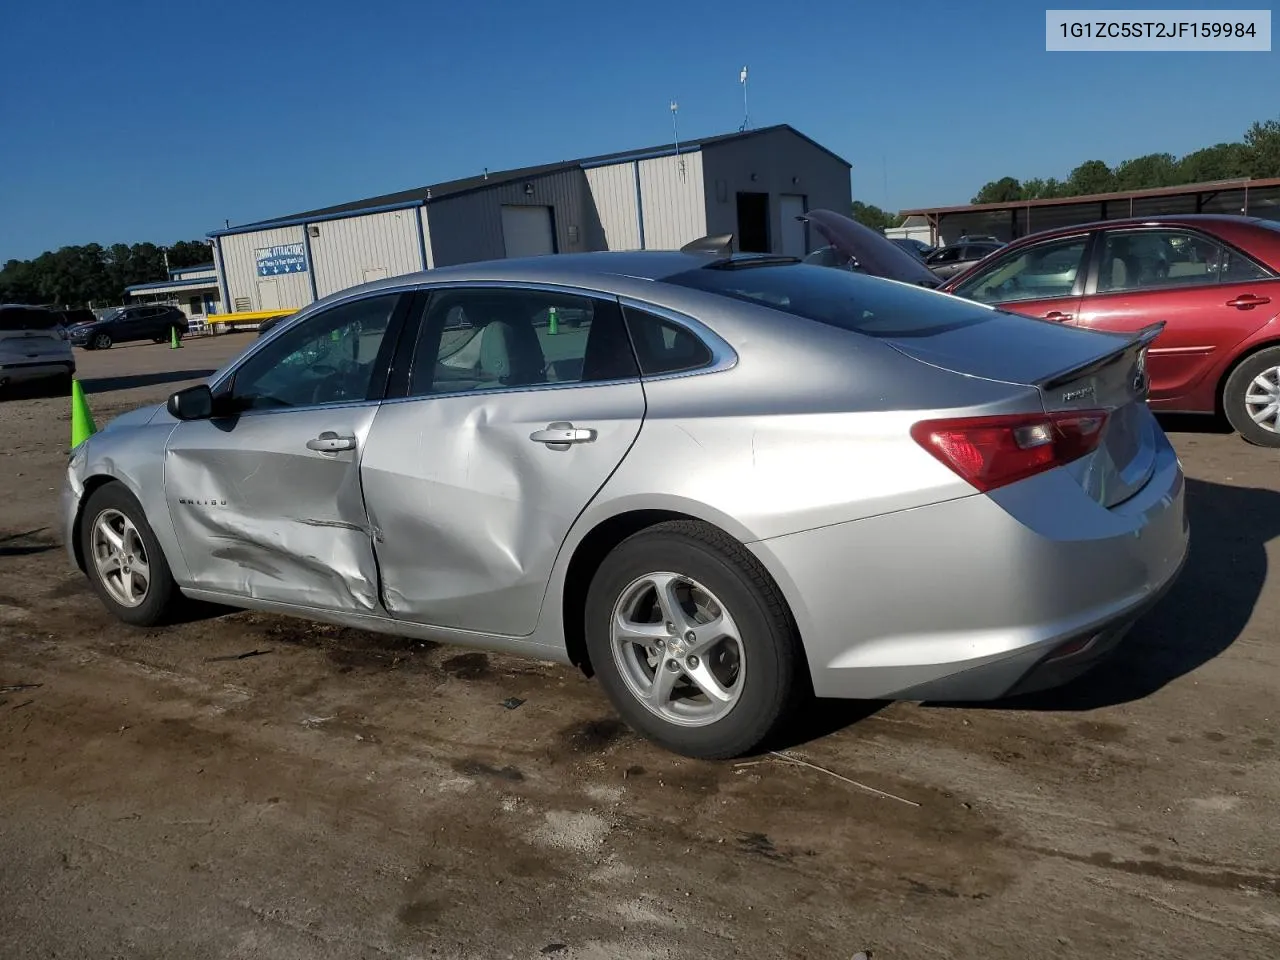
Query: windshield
(838,298)
(109,314)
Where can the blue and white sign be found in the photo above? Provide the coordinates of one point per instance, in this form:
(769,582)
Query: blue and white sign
(282,258)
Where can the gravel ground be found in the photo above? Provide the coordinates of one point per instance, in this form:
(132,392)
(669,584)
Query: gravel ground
(342,794)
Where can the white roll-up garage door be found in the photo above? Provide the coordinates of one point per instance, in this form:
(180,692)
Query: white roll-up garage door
(526,230)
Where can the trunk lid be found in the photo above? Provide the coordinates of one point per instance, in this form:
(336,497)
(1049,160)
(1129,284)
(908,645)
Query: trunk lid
(1073,370)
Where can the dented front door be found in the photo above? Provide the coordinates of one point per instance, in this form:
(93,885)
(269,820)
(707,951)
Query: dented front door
(268,506)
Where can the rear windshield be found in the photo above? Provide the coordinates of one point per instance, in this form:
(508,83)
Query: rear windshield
(26,318)
(838,298)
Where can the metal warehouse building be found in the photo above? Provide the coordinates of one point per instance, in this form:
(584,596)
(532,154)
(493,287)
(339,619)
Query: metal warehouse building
(751,184)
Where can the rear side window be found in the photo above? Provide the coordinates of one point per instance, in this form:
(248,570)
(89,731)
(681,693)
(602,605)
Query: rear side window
(837,298)
(663,346)
(14,319)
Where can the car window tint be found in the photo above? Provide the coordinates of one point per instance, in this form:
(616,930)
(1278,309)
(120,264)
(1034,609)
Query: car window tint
(1156,259)
(328,358)
(664,346)
(1044,270)
(493,339)
(838,298)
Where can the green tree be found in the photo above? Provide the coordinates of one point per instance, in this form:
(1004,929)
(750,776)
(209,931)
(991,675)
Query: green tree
(1262,149)
(189,253)
(1092,176)
(1153,170)
(1222,161)
(1004,190)
(868,214)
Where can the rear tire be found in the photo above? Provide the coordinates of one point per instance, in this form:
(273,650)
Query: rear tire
(123,559)
(1253,390)
(679,612)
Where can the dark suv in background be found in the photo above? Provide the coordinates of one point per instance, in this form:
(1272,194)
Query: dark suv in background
(122,324)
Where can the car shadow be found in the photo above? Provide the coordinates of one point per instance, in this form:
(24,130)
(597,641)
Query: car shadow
(1205,612)
(1194,423)
(109,384)
(25,544)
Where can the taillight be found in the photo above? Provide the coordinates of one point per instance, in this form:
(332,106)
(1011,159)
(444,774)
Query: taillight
(990,452)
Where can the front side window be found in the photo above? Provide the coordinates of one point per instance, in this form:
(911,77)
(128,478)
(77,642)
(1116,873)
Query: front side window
(493,339)
(1155,259)
(328,358)
(945,255)
(1044,270)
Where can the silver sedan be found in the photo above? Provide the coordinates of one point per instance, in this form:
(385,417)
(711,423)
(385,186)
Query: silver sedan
(720,484)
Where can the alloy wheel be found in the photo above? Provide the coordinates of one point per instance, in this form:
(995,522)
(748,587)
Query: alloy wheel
(120,557)
(678,649)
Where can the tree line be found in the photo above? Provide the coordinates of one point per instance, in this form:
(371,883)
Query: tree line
(94,275)
(1256,156)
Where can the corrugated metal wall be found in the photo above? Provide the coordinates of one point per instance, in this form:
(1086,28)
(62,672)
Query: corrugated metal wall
(781,162)
(613,193)
(348,252)
(293,289)
(469,228)
(673,201)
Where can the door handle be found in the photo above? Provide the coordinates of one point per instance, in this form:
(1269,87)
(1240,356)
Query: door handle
(1247,301)
(560,434)
(330,442)
(1057,316)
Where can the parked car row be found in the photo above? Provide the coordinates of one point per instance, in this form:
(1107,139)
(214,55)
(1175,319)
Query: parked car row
(1213,281)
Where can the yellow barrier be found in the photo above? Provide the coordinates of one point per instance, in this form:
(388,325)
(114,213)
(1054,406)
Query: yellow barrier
(248,316)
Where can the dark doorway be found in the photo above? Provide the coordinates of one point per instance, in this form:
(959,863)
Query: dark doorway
(753,223)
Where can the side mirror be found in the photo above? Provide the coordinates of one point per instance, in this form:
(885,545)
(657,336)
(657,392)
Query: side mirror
(193,403)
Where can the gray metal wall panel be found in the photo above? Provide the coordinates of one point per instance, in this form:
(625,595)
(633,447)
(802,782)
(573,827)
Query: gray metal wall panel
(469,228)
(345,249)
(242,270)
(671,196)
(782,163)
(613,193)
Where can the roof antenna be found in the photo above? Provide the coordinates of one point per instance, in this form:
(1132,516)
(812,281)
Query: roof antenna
(486,173)
(675,129)
(746,117)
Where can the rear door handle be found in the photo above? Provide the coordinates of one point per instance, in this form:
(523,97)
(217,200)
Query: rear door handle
(560,434)
(1057,316)
(330,442)
(1248,301)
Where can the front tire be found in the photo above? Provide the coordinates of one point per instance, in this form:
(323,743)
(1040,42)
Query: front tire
(1251,398)
(692,641)
(102,341)
(123,559)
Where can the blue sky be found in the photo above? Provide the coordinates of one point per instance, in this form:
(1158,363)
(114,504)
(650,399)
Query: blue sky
(158,121)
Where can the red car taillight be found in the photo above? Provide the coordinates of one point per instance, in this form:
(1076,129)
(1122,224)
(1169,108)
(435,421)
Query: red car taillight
(990,452)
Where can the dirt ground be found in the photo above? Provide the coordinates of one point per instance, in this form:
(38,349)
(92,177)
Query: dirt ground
(339,794)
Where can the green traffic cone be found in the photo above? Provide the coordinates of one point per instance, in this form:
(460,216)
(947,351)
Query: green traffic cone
(173,339)
(82,425)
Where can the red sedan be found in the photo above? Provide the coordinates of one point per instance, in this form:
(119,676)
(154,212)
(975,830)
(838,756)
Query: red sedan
(1213,280)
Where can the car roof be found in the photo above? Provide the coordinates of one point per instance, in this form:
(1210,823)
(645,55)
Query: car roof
(1190,220)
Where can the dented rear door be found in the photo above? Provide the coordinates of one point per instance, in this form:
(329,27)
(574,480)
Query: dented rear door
(468,489)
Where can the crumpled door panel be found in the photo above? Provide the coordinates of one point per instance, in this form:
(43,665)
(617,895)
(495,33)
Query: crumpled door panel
(470,513)
(260,515)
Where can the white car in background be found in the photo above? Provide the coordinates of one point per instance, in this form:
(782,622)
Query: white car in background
(34,346)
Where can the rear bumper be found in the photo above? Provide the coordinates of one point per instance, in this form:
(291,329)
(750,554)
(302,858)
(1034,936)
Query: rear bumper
(976,598)
(36,369)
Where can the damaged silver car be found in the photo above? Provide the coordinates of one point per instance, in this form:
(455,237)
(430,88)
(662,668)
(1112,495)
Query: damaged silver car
(719,483)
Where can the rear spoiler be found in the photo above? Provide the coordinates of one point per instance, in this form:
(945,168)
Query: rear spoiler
(720,244)
(1140,341)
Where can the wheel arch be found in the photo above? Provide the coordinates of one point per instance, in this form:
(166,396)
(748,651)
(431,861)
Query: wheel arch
(1219,395)
(599,541)
(91,485)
